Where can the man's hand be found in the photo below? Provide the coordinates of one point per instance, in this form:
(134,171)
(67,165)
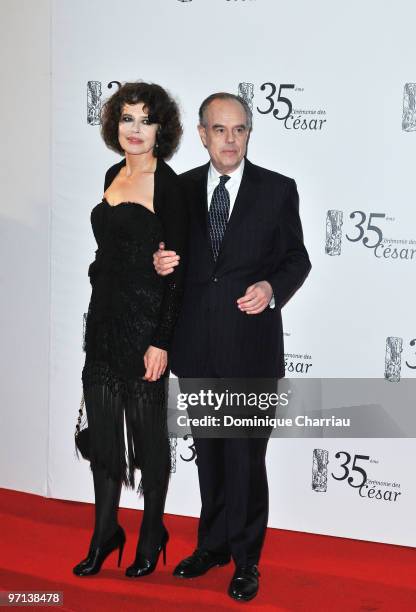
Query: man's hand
(155,362)
(165,261)
(256,298)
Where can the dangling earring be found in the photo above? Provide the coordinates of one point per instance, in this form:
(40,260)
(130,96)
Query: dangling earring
(156,145)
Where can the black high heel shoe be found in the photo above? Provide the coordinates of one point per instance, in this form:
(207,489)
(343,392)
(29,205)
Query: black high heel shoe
(96,556)
(143,566)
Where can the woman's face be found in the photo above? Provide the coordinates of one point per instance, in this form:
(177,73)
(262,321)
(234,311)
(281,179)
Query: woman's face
(135,134)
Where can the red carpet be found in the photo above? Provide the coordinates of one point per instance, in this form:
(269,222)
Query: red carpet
(41,539)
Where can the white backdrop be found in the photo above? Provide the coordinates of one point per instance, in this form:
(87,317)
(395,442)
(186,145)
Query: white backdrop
(25,107)
(347,147)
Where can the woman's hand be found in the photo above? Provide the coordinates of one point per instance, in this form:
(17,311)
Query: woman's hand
(155,362)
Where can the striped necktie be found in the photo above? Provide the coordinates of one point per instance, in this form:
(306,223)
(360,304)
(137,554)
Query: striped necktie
(218,214)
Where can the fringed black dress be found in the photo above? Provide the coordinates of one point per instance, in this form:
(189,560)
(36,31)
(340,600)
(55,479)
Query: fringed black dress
(131,307)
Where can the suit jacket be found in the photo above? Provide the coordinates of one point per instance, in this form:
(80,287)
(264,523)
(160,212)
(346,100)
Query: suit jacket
(263,241)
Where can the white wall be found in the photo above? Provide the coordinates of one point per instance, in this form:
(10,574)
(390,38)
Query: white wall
(25,109)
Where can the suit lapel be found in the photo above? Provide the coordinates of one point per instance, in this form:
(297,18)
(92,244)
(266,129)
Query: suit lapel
(201,204)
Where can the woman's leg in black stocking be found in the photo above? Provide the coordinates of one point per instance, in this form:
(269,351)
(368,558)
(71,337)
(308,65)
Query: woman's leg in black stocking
(154,493)
(105,415)
(147,419)
(107,499)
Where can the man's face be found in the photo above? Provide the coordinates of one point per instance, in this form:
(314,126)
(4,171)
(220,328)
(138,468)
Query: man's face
(225,134)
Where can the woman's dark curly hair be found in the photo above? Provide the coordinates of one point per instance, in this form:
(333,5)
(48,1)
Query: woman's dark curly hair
(161,108)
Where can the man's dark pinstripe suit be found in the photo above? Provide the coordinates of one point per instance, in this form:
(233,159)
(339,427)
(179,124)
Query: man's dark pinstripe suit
(263,241)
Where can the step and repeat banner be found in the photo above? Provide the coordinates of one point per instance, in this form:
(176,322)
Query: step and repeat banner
(334,107)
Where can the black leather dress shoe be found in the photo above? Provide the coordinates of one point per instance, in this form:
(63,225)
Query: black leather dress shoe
(245,583)
(199,563)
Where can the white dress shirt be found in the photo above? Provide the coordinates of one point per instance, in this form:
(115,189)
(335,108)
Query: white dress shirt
(232,186)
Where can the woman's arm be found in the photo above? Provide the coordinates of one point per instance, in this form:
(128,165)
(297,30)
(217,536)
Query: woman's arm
(174,217)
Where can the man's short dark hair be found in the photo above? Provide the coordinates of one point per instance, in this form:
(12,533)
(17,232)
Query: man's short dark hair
(160,107)
(223,95)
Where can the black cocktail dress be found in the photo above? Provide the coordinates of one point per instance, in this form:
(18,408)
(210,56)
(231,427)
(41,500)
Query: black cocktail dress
(131,307)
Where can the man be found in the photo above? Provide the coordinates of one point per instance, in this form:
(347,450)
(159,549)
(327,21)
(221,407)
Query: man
(246,258)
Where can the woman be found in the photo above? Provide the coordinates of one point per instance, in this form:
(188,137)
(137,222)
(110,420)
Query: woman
(130,320)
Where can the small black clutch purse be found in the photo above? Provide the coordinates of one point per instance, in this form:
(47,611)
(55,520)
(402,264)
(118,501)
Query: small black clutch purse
(82,437)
